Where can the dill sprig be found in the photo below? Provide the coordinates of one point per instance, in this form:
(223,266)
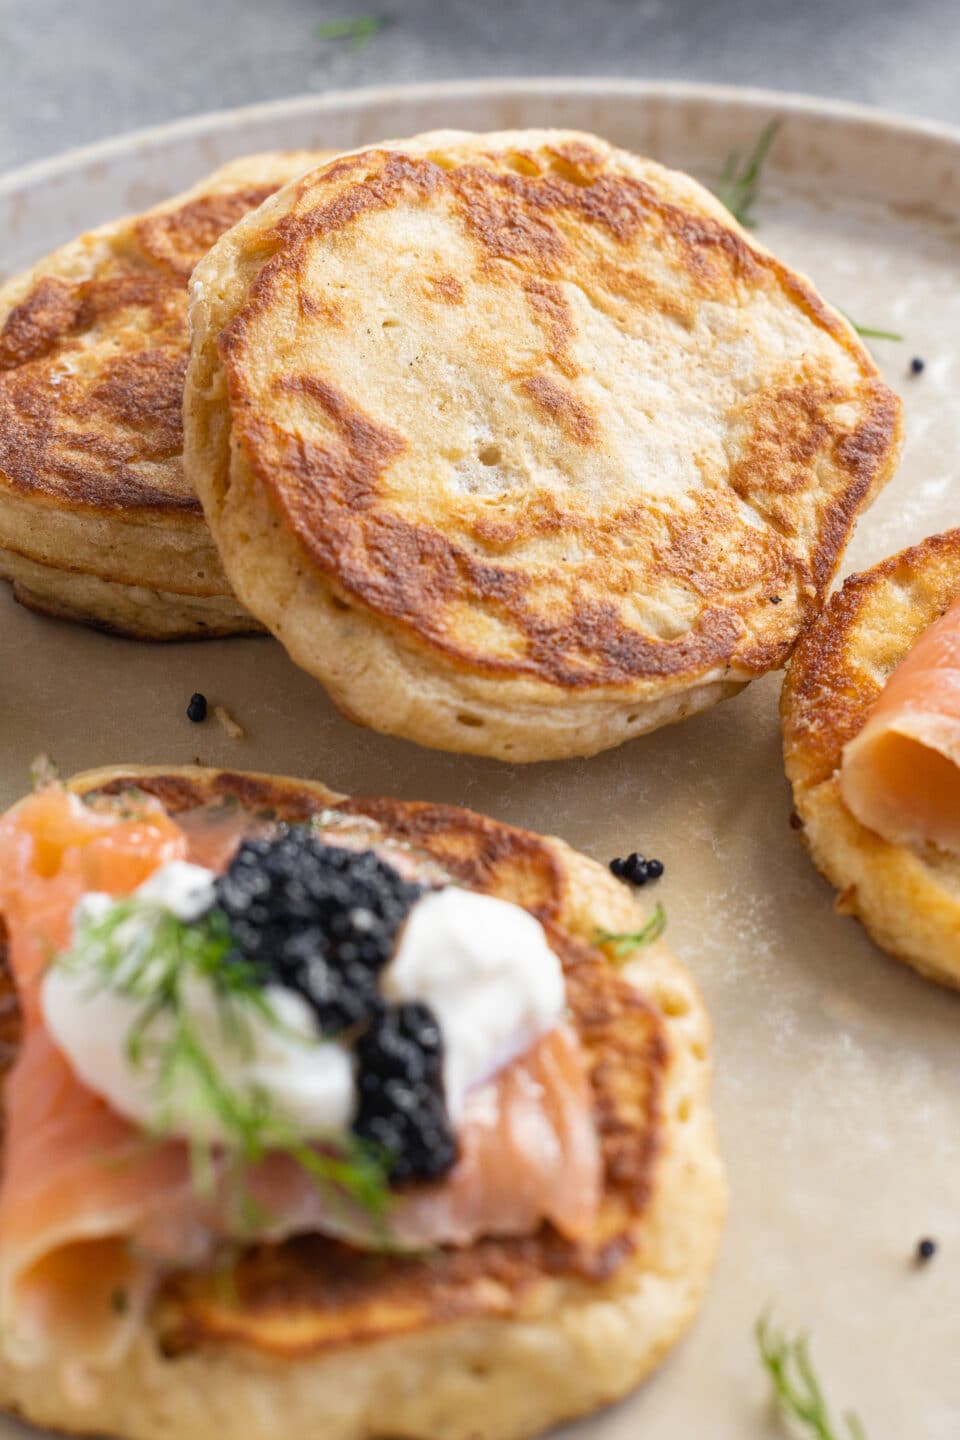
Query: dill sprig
(43,772)
(737,189)
(796,1387)
(139,950)
(869,333)
(739,182)
(359,30)
(626,941)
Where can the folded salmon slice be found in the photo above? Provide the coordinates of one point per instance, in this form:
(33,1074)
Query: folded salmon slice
(901,775)
(92,1211)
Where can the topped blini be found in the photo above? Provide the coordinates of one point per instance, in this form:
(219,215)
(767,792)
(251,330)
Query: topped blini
(871,736)
(349,1118)
(520,443)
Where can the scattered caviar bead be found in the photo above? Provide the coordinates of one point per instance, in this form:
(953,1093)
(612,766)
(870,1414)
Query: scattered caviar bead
(401,1107)
(926,1249)
(636,869)
(795,822)
(197,709)
(317,918)
(917,365)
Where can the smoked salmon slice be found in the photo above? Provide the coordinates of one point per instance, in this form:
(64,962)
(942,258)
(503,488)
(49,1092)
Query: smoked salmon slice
(901,775)
(93,1211)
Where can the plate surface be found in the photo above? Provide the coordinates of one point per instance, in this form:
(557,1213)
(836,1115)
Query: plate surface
(837,1087)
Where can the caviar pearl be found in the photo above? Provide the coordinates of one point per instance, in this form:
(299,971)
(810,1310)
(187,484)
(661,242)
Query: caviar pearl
(318,919)
(636,870)
(400,1105)
(197,708)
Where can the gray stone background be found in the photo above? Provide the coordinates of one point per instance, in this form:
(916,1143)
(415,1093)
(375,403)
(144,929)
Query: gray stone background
(76,70)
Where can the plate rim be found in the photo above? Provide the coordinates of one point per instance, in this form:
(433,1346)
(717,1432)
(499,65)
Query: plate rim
(368,97)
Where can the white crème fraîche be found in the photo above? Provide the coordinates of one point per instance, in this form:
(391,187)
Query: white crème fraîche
(482,965)
(485,969)
(308,1081)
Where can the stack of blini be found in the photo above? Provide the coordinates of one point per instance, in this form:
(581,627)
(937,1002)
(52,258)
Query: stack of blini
(518,442)
(98,521)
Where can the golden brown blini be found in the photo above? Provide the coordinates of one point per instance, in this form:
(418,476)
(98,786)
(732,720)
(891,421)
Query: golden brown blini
(98,521)
(496,1341)
(519,442)
(907,896)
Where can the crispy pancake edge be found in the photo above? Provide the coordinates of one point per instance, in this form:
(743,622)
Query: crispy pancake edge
(907,899)
(135,611)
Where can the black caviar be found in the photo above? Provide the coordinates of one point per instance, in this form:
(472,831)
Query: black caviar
(323,920)
(317,918)
(635,869)
(917,365)
(926,1249)
(197,709)
(401,1101)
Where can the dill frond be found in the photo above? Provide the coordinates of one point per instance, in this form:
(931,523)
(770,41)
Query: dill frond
(797,1389)
(867,332)
(359,29)
(139,950)
(626,941)
(739,182)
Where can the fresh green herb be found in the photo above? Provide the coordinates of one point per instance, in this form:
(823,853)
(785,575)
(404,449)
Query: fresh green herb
(869,333)
(43,772)
(739,183)
(139,950)
(358,30)
(625,942)
(737,189)
(797,1389)
(127,804)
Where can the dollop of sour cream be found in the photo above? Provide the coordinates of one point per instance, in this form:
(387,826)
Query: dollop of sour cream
(279,1053)
(481,964)
(484,967)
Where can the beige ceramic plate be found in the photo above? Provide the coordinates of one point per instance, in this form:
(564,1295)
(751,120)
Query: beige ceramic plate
(838,1084)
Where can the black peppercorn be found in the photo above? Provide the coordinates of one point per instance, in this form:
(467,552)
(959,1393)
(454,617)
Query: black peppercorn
(197,709)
